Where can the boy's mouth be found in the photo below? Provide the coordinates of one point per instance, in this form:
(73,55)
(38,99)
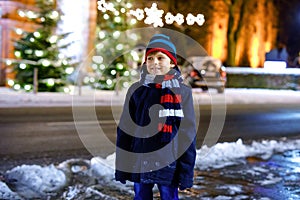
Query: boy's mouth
(156,70)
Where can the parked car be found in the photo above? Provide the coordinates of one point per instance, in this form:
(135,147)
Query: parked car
(205,72)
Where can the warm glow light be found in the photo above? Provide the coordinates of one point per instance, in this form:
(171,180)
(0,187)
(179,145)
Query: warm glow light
(218,42)
(254,58)
(267,46)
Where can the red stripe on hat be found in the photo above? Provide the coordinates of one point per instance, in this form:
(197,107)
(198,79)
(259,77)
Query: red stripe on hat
(162,50)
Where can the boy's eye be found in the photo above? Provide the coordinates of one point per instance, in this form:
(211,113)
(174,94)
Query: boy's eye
(149,58)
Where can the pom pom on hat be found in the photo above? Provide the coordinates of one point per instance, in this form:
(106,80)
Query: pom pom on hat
(162,43)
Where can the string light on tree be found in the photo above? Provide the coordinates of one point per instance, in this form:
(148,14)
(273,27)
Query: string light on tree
(39,64)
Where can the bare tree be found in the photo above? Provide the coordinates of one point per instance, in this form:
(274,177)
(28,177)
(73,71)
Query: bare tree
(236,10)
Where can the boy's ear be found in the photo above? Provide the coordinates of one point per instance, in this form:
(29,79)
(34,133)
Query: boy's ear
(172,65)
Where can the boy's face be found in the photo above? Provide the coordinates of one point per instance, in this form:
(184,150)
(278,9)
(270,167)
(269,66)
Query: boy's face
(158,63)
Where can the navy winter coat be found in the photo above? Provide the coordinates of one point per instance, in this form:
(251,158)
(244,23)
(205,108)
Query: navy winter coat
(141,156)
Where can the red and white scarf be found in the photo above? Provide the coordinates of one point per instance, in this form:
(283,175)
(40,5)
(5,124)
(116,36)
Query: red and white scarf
(170,100)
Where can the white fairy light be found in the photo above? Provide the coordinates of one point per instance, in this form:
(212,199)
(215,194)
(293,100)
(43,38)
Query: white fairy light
(50,82)
(31,15)
(116,34)
(45,63)
(106,16)
(133,21)
(102,67)
(126,73)
(17,87)
(53,39)
(8,62)
(169,18)
(154,16)
(10,82)
(109,82)
(17,54)
(69,70)
(37,34)
(65,62)
(54,14)
(113,72)
(97,59)
(138,13)
(27,87)
(101,34)
(39,53)
(123,10)
(117,19)
(19,31)
(21,13)
(110,7)
(179,18)
(116,13)
(190,19)
(120,47)
(22,66)
(100,46)
(200,19)
(102,5)
(128,5)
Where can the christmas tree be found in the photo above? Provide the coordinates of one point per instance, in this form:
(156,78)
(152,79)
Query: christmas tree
(115,60)
(40,64)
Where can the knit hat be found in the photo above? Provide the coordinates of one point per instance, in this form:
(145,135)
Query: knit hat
(161,42)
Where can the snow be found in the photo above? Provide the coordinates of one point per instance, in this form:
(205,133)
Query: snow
(90,97)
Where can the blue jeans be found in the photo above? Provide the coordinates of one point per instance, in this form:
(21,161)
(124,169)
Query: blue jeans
(144,192)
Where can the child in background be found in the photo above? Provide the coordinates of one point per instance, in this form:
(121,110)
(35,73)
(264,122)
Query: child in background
(156,133)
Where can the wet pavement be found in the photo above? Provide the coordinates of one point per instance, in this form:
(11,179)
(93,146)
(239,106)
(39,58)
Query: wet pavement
(277,178)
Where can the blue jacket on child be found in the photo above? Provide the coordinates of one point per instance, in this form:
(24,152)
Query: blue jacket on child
(146,154)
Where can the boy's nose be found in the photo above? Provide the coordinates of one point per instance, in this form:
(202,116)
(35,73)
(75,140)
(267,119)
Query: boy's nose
(155,61)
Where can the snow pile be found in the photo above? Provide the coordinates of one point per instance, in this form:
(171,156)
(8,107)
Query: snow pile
(231,153)
(33,181)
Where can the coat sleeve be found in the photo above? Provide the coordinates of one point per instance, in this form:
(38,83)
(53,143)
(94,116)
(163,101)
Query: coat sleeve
(187,143)
(124,140)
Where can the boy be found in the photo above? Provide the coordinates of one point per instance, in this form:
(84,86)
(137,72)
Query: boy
(156,133)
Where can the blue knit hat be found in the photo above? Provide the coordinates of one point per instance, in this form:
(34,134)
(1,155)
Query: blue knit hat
(161,42)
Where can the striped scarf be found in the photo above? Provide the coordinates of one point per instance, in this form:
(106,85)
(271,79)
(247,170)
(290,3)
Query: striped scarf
(171,113)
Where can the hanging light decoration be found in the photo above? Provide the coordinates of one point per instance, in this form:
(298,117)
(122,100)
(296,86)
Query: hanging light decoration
(153,15)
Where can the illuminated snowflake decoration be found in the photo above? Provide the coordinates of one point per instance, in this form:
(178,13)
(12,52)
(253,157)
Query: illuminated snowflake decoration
(154,15)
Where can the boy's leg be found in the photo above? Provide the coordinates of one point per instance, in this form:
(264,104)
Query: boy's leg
(168,192)
(143,191)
